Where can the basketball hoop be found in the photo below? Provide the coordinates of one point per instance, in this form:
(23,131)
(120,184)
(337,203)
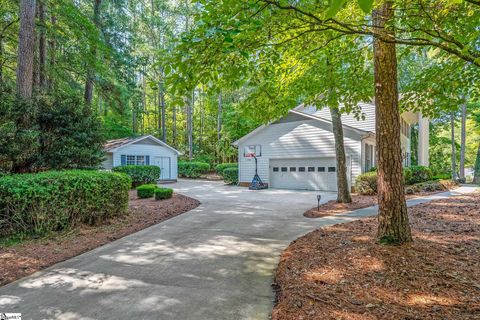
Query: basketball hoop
(250,155)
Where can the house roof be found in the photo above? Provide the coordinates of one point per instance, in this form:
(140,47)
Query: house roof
(116,144)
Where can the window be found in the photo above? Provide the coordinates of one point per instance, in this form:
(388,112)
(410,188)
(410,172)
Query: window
(331,169)
(368,157)
(284,169)
(301,169)
(131,160)
(275,169)
(255,149)
(140,160)
(321,169)
(311,169)
(293,169)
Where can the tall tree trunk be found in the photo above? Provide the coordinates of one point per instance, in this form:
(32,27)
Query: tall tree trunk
(393,224)
(174,126)
(52,43)
(476,174)
(219,123)
(463,136)
(42,46)
(454,149)
(190,103)
(26,52)
(343,192)
(93,52)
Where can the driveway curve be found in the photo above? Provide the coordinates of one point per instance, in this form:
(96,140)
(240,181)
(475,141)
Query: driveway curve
(214,262)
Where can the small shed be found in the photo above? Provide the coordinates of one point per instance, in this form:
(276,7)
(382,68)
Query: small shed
(143,150)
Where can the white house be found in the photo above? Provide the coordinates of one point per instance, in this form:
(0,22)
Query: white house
(144,150)
(298,151)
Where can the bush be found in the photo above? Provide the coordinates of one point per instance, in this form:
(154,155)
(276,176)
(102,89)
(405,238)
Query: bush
(57,200)
(442,176)
(417,174)
(146,191)
(230,175)
(140,174)
(192,169)
(366,183)
(163,193)
(222,166)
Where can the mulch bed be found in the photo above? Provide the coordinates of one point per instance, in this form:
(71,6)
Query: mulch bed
(339,272)
(23,259)
(359,201)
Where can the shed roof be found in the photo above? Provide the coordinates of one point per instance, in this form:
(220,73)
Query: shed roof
(115,144)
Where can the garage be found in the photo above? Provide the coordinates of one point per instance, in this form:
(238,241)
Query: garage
(304,174)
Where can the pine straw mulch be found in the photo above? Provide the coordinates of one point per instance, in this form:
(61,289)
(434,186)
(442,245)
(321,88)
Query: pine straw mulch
(359,201)
(20,260)
(339,272)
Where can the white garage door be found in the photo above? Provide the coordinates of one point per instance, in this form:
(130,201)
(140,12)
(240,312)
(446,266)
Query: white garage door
(304,174)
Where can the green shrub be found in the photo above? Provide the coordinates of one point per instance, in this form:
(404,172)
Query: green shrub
(222,166)
(146,190)
(57,200)
(163,193)
(192,169)
(140,174)
(442,176)
(416,174)
(366,183)
(230,175)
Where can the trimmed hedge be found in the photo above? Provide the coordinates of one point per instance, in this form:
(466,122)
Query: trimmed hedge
(163,193)
(417,174)
(146,191)
(140,174)
(57,200)
(192,169)
(222,166)
(366,183)
(230,175)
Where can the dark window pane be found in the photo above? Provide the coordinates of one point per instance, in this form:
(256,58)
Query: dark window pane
(293,169)
(331,169)
(301,169)
(275,169)
(284,169)
(321,169)
(311,169)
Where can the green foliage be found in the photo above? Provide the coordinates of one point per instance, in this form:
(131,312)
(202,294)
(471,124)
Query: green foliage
(366,183)
(57,200)
(442,176)
(163,193)
(146,190)
(416,174)
(192,169)
(222,166)
(140,174)
(230,175)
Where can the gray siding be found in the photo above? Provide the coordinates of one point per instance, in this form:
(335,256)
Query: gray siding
(298,139)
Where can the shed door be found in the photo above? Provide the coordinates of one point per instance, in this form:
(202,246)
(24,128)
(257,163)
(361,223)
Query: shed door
(164,164)
(304,174)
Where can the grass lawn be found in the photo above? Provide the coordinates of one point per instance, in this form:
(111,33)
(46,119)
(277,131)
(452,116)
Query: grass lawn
(21,256)
(341,273)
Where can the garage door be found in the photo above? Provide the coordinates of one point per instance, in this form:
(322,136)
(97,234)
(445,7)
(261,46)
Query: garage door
(304,174)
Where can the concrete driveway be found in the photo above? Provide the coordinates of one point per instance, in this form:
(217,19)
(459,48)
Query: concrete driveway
(214,262)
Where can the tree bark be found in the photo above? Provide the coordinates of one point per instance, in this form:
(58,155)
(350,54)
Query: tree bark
(93,51)
(463,136)
(454,149)
(42,46)
(52,43)
(476,174)
(393,227)
(26,49)
(174,126)
(190,103)
(343,192)
(219,123)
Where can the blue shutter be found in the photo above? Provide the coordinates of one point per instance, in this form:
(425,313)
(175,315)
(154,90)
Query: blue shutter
(147,160)
(123,159)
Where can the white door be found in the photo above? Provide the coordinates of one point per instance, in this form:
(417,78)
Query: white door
(305,174)
(164,164)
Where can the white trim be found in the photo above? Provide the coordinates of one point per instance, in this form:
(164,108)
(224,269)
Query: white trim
(160,142)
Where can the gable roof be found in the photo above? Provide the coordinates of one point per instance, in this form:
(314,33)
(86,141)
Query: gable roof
(323,115)
(116,144)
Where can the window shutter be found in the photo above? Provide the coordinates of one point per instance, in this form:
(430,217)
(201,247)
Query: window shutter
(147,160)
(123,159)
